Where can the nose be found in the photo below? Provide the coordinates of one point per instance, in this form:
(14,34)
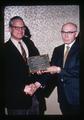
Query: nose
(66,34)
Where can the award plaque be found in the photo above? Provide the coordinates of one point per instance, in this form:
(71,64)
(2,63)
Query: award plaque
(37,63)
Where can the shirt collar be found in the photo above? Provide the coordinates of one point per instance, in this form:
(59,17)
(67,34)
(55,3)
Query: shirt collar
(70,44)
(15,42)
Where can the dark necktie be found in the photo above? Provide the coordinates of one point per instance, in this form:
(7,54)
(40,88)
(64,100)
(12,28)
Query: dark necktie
(23,52)
(65,55)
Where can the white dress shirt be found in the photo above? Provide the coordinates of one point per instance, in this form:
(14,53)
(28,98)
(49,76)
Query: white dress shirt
(17,45)
(70,45)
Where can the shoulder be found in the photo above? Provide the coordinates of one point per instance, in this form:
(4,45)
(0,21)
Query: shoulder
(58,48)
(31,47)
(28,42)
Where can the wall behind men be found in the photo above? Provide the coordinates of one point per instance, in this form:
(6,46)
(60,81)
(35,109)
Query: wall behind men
(44,23)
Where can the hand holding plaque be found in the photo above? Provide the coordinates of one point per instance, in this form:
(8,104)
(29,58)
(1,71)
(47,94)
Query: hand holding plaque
(38,63)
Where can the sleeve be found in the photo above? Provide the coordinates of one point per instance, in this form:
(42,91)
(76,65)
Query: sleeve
(1,81)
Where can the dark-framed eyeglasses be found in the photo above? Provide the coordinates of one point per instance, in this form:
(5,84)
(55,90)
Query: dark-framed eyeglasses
(68,32)
(18,28)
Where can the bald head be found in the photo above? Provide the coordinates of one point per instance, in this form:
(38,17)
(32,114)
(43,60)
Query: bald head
(69,26)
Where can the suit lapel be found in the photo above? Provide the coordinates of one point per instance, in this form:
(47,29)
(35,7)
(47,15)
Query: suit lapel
(15,50)
(74,47)
(61,52)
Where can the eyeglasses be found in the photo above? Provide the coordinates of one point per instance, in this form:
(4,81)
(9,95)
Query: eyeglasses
(68,32)
(18,28)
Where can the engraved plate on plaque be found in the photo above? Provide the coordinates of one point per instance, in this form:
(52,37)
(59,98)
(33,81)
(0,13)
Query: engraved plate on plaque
(37,63)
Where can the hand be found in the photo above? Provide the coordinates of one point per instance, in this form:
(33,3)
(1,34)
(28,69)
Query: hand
(30,89)
(40,72)
(53,69)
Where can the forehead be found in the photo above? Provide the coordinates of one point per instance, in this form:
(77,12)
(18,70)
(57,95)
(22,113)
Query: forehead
(18,22)
(69,27)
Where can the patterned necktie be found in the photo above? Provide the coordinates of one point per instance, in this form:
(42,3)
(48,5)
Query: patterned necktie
(23,52)
(65,54)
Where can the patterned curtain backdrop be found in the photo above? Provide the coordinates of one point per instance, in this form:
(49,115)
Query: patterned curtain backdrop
(44,23)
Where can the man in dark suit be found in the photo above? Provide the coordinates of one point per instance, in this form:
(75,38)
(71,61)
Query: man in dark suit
(16,73)
(65,68)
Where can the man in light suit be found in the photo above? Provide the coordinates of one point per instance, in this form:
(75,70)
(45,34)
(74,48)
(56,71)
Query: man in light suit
(66,71)
(16,73)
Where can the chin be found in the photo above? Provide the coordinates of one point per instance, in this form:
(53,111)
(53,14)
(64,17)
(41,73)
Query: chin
(67,42)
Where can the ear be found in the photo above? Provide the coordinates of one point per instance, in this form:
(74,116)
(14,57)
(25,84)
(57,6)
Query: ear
(76,34)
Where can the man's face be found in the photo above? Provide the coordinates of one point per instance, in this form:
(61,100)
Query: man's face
(69,33)
(17,29)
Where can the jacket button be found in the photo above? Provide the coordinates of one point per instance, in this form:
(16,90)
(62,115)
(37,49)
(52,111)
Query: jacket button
(61,80)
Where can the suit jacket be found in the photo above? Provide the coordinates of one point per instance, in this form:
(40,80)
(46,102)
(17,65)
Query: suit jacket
(68,79)
(16,76)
